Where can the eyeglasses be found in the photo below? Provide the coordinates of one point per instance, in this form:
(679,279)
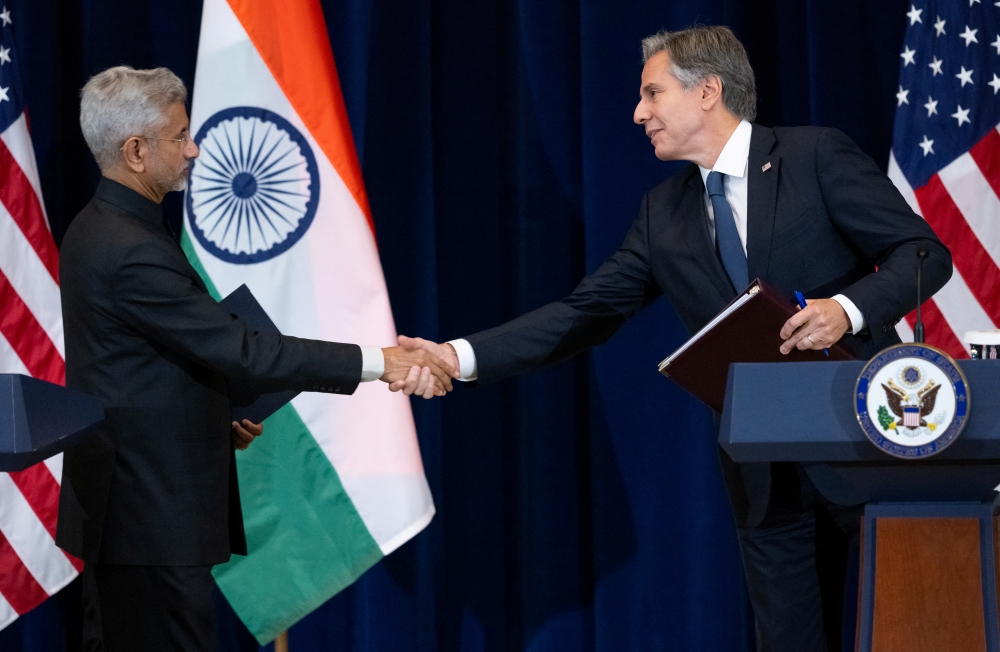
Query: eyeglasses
(183,140)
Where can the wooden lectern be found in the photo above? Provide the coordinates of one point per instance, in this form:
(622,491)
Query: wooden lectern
(929,548)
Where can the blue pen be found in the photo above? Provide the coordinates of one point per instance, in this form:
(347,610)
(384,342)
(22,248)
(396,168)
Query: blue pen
(802,304)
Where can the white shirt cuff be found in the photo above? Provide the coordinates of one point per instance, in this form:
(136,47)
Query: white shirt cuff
(857,319)
(372,363)
(466,360)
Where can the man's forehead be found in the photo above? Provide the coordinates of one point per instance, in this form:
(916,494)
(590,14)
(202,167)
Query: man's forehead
(657,70)
(656,65)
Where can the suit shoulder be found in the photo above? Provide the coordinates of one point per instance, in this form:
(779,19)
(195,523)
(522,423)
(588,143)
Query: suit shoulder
(673,186)
(808,137)
(101,234)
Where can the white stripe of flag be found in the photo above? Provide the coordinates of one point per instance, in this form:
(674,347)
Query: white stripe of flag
(29,539)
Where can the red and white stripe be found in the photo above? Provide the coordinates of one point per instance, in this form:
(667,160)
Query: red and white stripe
(962,204)
(31,342)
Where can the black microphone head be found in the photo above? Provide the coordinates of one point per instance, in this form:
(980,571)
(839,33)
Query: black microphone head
(922,253)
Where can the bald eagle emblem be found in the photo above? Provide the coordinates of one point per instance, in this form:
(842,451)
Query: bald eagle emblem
(909,407)
(911,401)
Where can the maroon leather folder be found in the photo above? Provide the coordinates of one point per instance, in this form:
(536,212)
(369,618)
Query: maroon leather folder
(746,331)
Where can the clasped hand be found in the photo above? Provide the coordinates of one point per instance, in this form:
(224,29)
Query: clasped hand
(419,367)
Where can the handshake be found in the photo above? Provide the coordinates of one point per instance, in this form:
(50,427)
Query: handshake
(421,367)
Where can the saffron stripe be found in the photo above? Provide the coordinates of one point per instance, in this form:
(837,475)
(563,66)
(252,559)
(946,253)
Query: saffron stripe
(968,254)
(292,40)
(21,201)
(986,154)
(27,337)
(17,585)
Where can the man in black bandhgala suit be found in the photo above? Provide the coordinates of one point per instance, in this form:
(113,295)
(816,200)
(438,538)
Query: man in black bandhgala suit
(151,502)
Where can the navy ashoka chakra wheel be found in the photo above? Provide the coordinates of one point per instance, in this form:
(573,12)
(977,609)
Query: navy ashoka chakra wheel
(253,191)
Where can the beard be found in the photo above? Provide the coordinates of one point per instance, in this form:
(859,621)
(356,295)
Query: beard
(168,179)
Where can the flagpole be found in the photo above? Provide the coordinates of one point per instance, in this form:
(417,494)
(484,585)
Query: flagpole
(281,643)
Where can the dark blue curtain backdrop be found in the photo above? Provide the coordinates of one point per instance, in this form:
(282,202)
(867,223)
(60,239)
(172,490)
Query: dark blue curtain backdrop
(581,507)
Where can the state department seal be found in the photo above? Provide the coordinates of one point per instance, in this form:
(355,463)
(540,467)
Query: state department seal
(912,401)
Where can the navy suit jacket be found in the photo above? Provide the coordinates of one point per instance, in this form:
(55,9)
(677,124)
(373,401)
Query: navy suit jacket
(822,219)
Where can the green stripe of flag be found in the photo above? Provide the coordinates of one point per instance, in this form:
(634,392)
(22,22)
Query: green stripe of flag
(306,539)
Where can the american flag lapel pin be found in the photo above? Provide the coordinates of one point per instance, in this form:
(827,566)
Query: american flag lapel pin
(766,167)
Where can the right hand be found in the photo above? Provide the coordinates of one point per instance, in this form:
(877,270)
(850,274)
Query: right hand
(446,352)
(417,371)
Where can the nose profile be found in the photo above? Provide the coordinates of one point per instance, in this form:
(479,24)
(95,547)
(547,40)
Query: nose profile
(641,114)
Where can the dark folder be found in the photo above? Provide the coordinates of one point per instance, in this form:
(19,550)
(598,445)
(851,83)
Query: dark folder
(247,400)
(745,331)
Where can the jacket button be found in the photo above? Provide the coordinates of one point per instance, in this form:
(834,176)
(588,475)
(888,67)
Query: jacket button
(337,390)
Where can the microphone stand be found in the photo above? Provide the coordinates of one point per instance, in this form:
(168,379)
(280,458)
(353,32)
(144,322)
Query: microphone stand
(918,328)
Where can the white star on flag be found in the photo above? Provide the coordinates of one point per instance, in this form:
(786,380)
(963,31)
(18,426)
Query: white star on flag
(996,43)
(3,91)
(927,146)
(931,107)
(908,56)
(995,83)
(4,55)
(972,2)
(962,115)
(901,96)
(914,15)
(5,16)
(965,76)
(935,66)
(969,35)
(939,26)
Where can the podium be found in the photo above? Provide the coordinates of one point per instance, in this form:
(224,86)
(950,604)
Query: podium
(39,419)
(929,549)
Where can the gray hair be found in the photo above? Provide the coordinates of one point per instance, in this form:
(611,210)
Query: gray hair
(700,52)
(122,102)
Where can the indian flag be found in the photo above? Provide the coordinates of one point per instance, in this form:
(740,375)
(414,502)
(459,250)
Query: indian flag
(276,201)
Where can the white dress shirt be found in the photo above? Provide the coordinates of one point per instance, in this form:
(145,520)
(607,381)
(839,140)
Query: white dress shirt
(372,363)
(732,163)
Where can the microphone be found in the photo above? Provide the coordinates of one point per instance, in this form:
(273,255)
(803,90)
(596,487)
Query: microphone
(918,328)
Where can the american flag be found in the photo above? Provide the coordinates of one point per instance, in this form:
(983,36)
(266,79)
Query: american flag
(946,156)
(31,342)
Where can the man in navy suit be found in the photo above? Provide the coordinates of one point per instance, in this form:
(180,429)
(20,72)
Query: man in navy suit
(800,208)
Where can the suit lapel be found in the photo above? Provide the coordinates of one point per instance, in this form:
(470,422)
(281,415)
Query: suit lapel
(762,192)
(697,233)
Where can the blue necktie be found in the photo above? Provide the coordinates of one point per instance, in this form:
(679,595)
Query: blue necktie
(726,236)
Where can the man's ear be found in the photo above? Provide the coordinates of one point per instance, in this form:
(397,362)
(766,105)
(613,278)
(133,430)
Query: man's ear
(134,154)
(711,92)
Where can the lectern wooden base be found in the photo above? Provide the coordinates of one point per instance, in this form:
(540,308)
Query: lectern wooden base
(928,578)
